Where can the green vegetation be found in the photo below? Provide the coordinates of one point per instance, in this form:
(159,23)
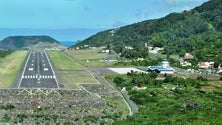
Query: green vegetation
(198,31)
(5,118)
(92,119)
(71,80)
(117,102)
(21,117)
(91,57)
(24,42)
(7,107)
(70,71)
(63,62)
(9,67)
(173,100)
(4,53)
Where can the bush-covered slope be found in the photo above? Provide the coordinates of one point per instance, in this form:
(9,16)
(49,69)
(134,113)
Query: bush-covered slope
(4,53)
(198,30)
(24,42)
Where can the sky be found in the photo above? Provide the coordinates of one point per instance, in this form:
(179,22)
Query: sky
(85,14)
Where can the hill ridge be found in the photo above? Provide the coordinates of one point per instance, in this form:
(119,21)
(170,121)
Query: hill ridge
(29,42)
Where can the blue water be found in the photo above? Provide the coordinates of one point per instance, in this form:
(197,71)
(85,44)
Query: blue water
(68,43)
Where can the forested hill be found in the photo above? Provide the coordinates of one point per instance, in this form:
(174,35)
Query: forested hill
(198,31)
(29,43)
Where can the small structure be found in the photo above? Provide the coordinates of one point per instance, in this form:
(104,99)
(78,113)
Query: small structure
(188,56)
(106,51)
(123,89)
(206,65)
(110,59)
(139,59)
(185,63)
(139,88)
(164,68)
(129,47)
(86,46)
(154,50)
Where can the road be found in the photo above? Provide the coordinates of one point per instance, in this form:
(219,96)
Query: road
(38,72)
(131,105)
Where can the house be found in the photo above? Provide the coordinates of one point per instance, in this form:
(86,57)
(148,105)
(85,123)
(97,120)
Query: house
(219,69)
(139,88)
(206,65)
(154,50)
(188,56)
(185,63)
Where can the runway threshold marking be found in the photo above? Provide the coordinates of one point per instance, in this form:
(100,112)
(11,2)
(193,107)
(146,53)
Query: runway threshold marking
(23,76)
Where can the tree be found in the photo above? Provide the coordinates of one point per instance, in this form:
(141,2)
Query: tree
(5,118)
(216,64)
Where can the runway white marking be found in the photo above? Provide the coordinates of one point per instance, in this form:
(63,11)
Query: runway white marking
(24,70)
(52,69)
(41,77)
(30,68)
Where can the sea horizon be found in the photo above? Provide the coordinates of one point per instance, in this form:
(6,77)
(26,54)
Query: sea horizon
(73,34)
(68,43)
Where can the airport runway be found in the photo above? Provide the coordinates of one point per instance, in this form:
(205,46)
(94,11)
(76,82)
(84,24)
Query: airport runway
(38,72)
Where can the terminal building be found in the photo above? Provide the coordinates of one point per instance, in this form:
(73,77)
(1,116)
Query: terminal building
(164,68)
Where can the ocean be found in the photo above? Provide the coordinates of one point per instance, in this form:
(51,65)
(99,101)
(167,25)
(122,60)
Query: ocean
(68,43)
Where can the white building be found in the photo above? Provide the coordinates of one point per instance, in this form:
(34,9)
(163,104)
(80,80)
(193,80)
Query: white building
(164,68)
(154,50)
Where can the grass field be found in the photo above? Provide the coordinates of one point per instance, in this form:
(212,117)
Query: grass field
(62,62)
(216,83)
(91,57)
(71,80)
(9,67)
(86,54)
(116,101)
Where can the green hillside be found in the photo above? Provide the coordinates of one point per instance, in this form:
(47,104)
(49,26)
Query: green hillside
(198,31)
(27,42)
(4,53)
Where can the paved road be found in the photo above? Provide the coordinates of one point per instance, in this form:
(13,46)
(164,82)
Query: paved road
(38,72)
(133,108)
